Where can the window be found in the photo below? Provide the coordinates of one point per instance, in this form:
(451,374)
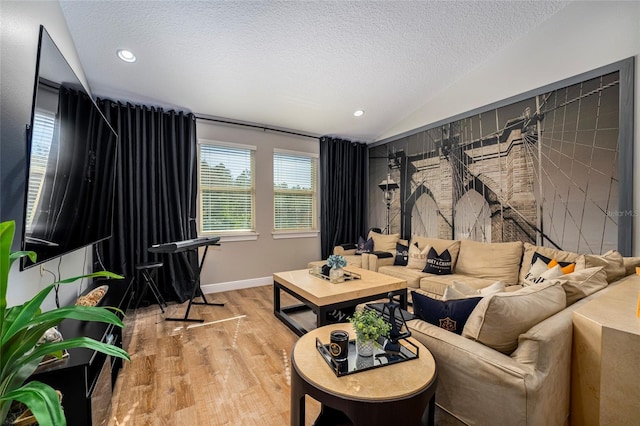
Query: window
(294,188)
(43,128)
(227,187)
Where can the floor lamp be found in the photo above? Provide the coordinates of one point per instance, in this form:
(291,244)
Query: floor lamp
(388,187)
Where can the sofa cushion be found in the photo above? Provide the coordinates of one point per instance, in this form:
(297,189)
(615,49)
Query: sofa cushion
(530,250)
(439,245)
(611,262)
(492,261)
(437,284)
(450,315)
(383,242)
(364,246)
(438,263)
(630,264)
(402,254)
(460,290)
(417,257)
(411,276)
(499,319)
(582,283)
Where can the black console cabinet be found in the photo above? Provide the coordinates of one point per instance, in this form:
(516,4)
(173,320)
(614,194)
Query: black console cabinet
(86,378)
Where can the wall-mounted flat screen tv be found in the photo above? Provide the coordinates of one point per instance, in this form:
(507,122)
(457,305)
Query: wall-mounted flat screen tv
(71,162)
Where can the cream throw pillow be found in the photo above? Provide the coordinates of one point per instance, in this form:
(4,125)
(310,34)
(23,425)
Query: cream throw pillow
(611,261)
(582,283)
(540,273)
(382,242)
(499,319)
(417,257)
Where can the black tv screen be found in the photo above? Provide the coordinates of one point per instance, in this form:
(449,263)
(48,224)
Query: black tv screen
(71,162)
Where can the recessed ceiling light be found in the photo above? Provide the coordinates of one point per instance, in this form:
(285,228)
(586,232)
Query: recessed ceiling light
(358,113)
(126,55)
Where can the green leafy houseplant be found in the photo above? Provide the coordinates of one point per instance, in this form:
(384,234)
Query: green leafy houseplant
(369,325)
(22,326)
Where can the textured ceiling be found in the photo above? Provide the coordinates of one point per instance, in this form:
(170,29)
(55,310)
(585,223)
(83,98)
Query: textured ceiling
(299,65)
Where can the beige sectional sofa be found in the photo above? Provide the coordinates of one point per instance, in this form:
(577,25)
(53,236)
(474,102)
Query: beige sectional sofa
(476,264)
(511,364)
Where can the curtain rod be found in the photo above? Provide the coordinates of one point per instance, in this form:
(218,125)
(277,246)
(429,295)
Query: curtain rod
(256,126)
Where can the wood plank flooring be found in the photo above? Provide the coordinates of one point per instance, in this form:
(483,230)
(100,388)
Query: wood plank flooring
(232,370)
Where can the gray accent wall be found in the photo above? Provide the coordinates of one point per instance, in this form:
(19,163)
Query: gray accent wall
(583,36)
(235,263)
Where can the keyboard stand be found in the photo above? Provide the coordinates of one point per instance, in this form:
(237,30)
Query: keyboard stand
(195,277)
(197,290)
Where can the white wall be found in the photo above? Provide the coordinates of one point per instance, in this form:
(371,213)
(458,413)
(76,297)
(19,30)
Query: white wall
(19,29)
(579,38)
(245,263)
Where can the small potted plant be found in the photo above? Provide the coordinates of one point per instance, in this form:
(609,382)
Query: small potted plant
(369,326)
(336,263)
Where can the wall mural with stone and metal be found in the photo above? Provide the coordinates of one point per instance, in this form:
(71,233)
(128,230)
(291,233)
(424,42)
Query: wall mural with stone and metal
(542,170)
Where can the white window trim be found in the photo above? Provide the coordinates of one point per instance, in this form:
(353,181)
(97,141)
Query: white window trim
(282,235)
(307,233)
(227,144)
(302,153)
(227,236)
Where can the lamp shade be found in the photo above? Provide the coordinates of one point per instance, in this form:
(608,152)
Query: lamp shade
(388,185)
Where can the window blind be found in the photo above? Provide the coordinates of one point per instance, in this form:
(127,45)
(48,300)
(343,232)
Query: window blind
(43,128)
(294,187)
(226,188)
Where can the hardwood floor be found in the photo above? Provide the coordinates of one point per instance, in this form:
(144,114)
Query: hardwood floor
(232,370)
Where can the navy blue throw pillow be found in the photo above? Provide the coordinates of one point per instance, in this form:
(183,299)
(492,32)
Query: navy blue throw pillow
(451,315)
(402,255)
(439,264)
(546,260)
(364,246)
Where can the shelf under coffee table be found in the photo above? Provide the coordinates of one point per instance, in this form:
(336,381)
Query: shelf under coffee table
(322,297)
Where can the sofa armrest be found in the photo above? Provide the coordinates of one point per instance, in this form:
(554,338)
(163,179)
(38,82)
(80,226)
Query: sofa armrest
(534,382)
(476,384)
(376,262)
(342,251)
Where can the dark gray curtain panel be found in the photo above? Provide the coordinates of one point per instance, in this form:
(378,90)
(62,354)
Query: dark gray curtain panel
(343,192)
(156,189)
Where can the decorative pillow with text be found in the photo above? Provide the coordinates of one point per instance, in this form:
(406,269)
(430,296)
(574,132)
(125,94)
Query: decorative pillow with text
(451,315)
(402,255)
(417,258)
(540,273)
(439,264)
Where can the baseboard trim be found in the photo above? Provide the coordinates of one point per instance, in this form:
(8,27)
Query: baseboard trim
(236,285)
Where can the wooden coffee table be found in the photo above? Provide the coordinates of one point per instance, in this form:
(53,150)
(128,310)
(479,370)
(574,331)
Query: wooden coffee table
(322,296)
(397,394)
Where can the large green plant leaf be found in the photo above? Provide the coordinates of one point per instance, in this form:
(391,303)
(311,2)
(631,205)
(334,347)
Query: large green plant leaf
(26,338)
(6,238)
(21,327)
(32,307)
(42,400)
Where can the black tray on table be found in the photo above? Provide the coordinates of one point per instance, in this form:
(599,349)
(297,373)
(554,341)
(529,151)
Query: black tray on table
(356,363)
(348,276)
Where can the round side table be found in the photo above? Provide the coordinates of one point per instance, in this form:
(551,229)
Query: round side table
(398,394)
